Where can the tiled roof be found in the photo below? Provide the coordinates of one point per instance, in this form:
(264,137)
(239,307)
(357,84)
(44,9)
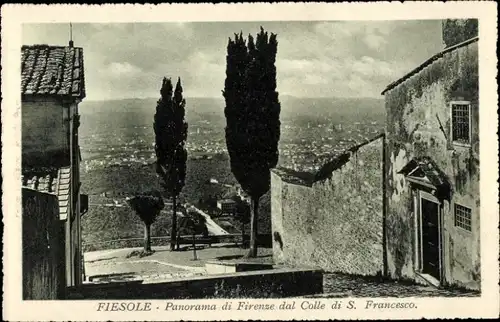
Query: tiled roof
(428,62)
(55,181)
(45,182)
(64,190)
(52,70)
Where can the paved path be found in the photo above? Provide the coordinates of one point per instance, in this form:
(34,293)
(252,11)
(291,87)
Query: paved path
(162,263)
(212,226)
(342,285)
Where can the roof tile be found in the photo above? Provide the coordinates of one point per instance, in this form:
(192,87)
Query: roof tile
(52,70)
(63,179)
(50,181)
(65,170)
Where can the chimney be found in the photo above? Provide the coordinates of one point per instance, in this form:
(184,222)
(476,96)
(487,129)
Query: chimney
(71,43)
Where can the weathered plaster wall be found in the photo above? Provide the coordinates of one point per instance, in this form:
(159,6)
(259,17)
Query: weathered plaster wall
(44,132)
(416,109)
(335,224)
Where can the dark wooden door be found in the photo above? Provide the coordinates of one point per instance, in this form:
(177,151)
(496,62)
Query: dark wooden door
(430,238)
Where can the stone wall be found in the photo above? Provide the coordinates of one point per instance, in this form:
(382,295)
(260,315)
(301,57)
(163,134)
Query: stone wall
(334,221)
(270,283)
(418,124)
(44,133)
(43,247)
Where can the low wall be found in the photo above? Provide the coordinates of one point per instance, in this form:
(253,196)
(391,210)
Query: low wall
(263,240)
(43,247)
(333,220)
(276,283)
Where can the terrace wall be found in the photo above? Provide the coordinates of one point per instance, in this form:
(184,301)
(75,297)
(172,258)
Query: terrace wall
(334,222)
(271,283)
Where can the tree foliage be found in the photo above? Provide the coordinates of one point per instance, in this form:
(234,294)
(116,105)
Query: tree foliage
(170,130)
(242,212)
(252,115)
(456,31)
(171,133)
(147,206)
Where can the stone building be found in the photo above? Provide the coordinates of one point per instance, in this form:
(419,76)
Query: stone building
(227,206)
(432,165)
(52,86)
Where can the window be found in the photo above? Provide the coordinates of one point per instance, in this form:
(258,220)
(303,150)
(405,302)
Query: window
(463,217)
(460,122)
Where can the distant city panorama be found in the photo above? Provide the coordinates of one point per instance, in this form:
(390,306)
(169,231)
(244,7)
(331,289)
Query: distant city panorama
(313,130)
(118,157)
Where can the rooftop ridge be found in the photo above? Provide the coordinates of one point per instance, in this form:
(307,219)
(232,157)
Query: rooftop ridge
(45,46)
(38,191)
(327,169)
(308,178)
(428,62)
(360,145)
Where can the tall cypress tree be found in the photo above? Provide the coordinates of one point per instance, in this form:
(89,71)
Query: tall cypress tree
(170,139)
(252,117)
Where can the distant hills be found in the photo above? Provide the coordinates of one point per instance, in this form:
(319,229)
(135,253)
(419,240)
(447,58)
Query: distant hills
(290,106)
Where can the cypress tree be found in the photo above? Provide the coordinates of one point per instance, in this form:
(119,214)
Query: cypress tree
(252,117)
(170,138)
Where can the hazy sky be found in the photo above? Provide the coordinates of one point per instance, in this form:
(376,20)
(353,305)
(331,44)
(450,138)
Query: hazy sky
(328,59)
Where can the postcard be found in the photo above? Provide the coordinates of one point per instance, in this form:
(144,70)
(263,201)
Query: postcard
(250,161)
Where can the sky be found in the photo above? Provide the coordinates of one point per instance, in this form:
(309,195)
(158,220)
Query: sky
(314,59)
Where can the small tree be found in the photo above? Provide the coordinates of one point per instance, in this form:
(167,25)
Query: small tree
(147,207)
(171,155)
(193,223)
(252,117)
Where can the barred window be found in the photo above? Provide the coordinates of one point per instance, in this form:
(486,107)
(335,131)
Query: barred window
(463,217)
(460,122)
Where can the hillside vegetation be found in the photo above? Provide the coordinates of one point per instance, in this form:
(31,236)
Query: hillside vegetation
(103,223)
